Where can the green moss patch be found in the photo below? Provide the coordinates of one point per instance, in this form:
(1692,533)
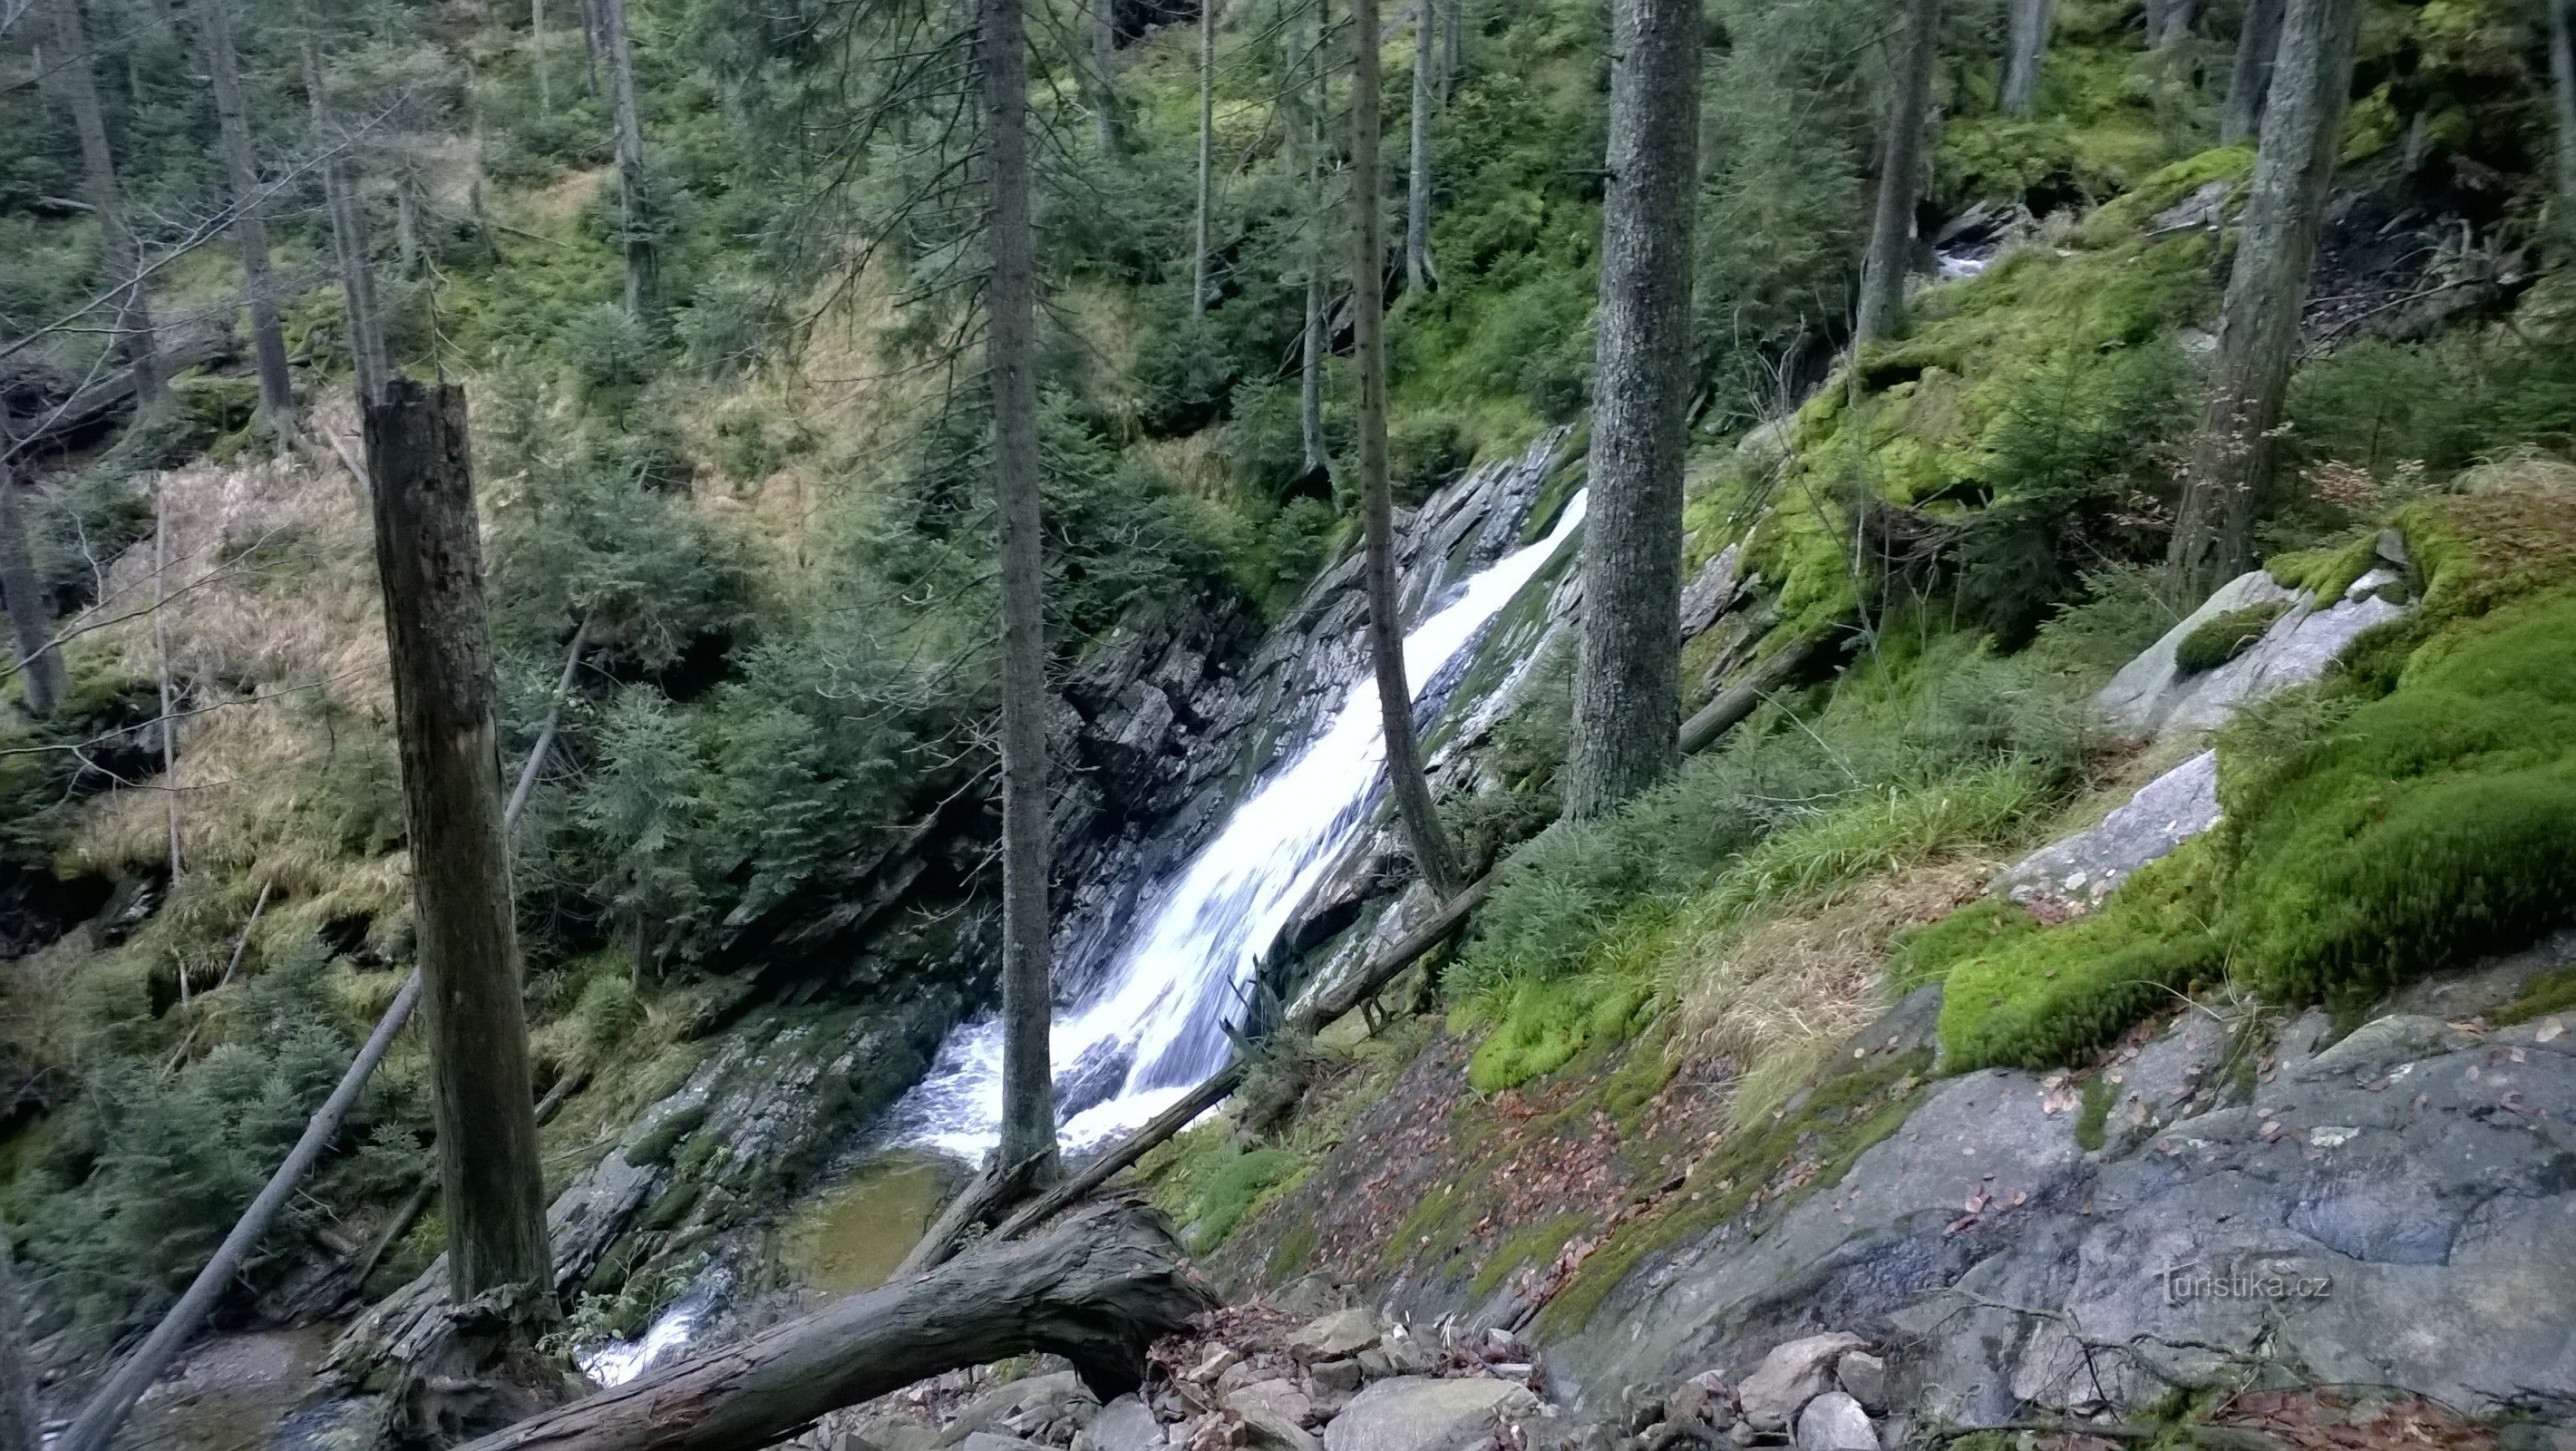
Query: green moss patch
(2216,641)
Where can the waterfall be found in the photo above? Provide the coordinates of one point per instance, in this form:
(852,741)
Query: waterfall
(1155,1026)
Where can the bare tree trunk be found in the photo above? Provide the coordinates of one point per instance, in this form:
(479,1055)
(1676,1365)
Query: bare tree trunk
(77,87)
(1453,57)
(1310,374)
(1316,339)
(241,172)
(21,1428)
(2237,449)
(41,677)
(633,212)
(2169,22)
(1418,273)
(1028,1148)
(169,731)
(429,553)
(1413,806)
(2026,52)
(2562,74)
(1108,125)
(1207,157)
(1900,177)
(341,198)
(2250,79)
(1627,684)
(537,54)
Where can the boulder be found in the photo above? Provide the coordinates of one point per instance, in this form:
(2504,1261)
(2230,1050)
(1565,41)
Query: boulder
(1277,1398)
(1414,1413)
(1122,1425)
(1026,1407)
(2152,695)
(2079,871)
(1342,1333)
(1863,1377)
(1790,1376)
(987,1441)
(1835,1422)
(1341,1377)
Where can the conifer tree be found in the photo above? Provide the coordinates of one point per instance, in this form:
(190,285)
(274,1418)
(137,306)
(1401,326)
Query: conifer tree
(250,225)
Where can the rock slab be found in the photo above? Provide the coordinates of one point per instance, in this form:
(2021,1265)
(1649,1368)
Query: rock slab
(1835,1422)
(1793,1374)
(1413,1413)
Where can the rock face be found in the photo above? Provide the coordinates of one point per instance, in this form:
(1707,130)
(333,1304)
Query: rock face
(2395,1210)
(2152,695)
(1412,1413)
(2077,873)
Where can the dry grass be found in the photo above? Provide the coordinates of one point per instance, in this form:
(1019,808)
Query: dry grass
(1776,995)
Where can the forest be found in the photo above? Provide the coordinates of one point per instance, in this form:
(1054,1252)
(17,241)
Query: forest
(1330,725)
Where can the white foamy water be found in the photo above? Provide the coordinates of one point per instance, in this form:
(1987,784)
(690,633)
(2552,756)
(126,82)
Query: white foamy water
(1155,1026)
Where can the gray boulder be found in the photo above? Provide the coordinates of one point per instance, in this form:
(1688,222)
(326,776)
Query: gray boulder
(1414,1413)
(2079,871)
(1863,1377)
(987,1441)
(1790,1376)
(1330,1337)
(1027,1407)
(2152,696)
(1835,1422)
(1122,1425)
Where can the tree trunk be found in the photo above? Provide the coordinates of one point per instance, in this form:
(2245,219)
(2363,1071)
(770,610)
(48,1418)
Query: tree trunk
(241,172)
(1453,56)
(429,554)
(2237,449)
(1421,821)
(1627,700)
(2026,53)
(169,725)
(1316,340)
(2562,73)
(1097,1291)
(122,258)
(1418,273)
(21,1428)
(1310,376)
(2169,22)
(342,199)
(1199,243)
(1108,126)
(1028,1146)
(634,220)
(41,678)
(2250,79)
(1900,177)
(537,54)
(107,1407)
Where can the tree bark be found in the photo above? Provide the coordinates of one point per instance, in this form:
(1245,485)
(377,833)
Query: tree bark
(1028,1087)
(77,87)
(2562,75)
(2236,450)
(1453,55)
(21,1428)
(429,554)
(1310,376)
(635,222)
(2169,22)
(2249,80)
(1199,243)
(1108,126)
(1097,1292)
(1421,821)
(1627,680)
(1418,273)
(1900,177)
(1316,340)
(342,199)
(2027,52)
(537,54)
(250,229)
(169,723)
(41,677)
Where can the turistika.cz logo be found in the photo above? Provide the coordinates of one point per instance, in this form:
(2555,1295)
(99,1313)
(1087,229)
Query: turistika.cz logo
(2183,1286)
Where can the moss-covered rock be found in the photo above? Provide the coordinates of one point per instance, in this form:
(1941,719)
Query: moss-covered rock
(2222,639)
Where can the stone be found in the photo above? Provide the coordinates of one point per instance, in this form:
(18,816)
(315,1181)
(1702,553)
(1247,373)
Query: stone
(1216,1362)
(2078,871)
(1278,1398)
(1375,1365)
(1341,1377)
(1687,1403)
(1863,1377)
(1313,1294)
(1711,592)
(1023,1407)
(1790,1376)
(1405,1353)
(1415,1413)
(1835,1422)
(2152,696)
(1124,1424)
(1344,1332)
(987,1441)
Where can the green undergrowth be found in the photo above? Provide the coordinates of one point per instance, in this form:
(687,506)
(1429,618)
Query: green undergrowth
(1209,1184)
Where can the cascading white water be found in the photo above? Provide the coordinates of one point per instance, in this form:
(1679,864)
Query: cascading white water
(1155,1027)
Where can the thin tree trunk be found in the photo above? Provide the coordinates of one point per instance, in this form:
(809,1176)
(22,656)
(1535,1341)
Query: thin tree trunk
(122,258)
(545,743)
(241,171)
(1108,127)
(1453,57)
(21,1428)
(1310,375)
(1418,273)
(635,223)
(1900,177)
(2237,448)
(169,727)
(1421,820)
(340,195)
(1199,244)
(2027,53)
(429,553)
(537,53)
(2169,22)
(1028,1147)
(1316,340)
(41,677)
(2562,74)
(2250,79)
(1627,690)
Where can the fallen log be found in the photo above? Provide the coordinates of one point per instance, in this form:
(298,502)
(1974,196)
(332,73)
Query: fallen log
(1097,1291)
(1737,701)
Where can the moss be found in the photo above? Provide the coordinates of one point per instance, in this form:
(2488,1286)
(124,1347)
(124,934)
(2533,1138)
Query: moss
(655,1147)
(2118,220)
(1209,1185)
(2553,992)
(2224,637)
(1927,954)
(2325,573)
(1547,1022)
(1535,1245)
(2093,1114)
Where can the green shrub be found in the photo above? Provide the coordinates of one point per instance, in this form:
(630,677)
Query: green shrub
(2218,640)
